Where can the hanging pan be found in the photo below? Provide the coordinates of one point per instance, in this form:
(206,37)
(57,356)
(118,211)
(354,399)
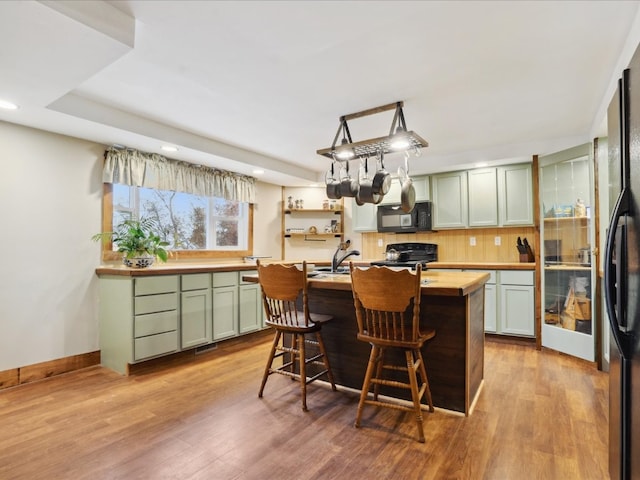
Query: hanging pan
(382,179)
(333,184)
(408,191)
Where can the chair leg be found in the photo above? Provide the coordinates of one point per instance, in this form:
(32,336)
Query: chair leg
(267,370)
(366,383)
(425,380)
(303,369)
(325,359)
(380,363)
(413,381)
(292,355)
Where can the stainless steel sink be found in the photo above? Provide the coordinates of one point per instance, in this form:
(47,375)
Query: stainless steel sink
(339,271)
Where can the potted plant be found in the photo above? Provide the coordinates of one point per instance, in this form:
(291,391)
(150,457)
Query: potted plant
(138,241)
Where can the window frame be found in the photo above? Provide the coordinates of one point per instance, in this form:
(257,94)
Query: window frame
(107,226)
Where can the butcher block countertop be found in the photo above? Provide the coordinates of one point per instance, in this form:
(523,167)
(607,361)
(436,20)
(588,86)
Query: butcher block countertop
(485,265)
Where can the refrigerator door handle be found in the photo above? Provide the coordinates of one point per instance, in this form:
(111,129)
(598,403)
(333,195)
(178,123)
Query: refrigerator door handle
(615,287)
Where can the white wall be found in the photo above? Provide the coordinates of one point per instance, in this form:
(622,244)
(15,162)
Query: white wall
(50,205)
(267,226)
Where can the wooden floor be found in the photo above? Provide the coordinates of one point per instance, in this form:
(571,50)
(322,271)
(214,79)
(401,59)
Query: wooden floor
(541,415)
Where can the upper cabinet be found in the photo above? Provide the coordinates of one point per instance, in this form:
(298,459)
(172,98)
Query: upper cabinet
(515,195)
(450,201)
(486,197)
(420,184)
(364,217)
(483,197)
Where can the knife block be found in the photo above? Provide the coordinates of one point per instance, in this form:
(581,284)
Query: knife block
(527,257)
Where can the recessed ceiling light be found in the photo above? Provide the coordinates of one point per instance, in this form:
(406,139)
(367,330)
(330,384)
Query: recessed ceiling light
(258,172)
(169,148)
(482,164)
(8,105)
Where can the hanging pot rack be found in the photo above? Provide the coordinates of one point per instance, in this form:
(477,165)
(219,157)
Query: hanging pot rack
(372,147)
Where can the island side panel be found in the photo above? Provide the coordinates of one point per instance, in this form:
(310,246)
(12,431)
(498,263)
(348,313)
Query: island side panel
(475,353)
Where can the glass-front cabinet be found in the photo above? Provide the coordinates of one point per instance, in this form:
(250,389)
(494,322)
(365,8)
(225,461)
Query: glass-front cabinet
(567,236)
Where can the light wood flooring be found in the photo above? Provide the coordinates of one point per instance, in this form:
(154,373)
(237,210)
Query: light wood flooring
(541,415)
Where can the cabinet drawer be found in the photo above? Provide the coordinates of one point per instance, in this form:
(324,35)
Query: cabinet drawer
(196,281)
(155,323)
(156,284)
(155,345)
(248,272)
(516,277)
(492,275)
(225,279)
(156,303)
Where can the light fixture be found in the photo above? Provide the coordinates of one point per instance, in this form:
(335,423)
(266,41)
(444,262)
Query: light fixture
(6,105)
(258,171)
(169,148)
(399,138)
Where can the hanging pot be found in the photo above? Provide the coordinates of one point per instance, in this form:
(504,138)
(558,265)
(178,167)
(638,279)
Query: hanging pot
(348,186)
(366,193)
(382,179)
(408,191)
(333,185)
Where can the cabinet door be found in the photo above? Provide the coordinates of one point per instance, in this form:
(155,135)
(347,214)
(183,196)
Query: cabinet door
(364,217)
(483,197)
(196,318)
(250,308)
(490,308)
(225,312)
(421,185)
(449,200)
(515,195)
(517,310)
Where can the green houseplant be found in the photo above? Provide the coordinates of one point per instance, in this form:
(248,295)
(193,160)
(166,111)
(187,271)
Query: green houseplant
(138,241)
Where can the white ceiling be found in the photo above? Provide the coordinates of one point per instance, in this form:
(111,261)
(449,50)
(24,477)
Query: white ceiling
(239,85)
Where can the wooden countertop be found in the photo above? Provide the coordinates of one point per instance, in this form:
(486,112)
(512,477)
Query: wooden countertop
(485,265)
(173,269)
(457,284)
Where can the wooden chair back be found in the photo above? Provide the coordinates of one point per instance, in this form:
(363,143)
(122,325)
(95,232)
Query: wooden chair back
(282,286)
(387,304)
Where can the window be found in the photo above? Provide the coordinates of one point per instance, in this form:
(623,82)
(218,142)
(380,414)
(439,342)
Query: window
(195,226)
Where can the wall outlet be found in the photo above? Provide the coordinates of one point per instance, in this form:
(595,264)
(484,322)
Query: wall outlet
(497,241)
(379,242)
(472,241)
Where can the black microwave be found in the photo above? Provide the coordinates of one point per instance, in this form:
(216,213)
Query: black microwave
(391,218)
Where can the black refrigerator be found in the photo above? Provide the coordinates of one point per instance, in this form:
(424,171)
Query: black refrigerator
(622,275)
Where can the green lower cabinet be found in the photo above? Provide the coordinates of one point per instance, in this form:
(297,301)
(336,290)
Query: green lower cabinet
(196,317)
(225,312)
(250,312)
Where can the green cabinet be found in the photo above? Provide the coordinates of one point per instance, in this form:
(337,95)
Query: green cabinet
(364,217)
(147,317)
(250,310)
(450,200)
(225,305)
(517,303)
(196,310)
(515,195)
(484,197)
(509,302)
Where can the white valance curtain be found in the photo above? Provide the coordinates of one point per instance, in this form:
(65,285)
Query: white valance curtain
(150,170)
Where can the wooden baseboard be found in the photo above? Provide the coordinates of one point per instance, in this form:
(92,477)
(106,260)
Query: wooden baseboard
(39,371)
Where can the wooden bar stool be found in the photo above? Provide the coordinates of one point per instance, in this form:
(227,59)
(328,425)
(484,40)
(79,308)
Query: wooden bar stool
(387,306)
(282,287)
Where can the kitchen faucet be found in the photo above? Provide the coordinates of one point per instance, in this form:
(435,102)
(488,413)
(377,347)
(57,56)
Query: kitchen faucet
(336,262)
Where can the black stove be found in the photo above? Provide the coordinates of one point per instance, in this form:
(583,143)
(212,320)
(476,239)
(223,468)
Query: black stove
(410,254)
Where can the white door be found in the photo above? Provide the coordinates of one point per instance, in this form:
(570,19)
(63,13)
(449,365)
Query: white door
(567,244)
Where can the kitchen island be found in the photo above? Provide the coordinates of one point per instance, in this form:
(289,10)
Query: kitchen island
(452,303)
